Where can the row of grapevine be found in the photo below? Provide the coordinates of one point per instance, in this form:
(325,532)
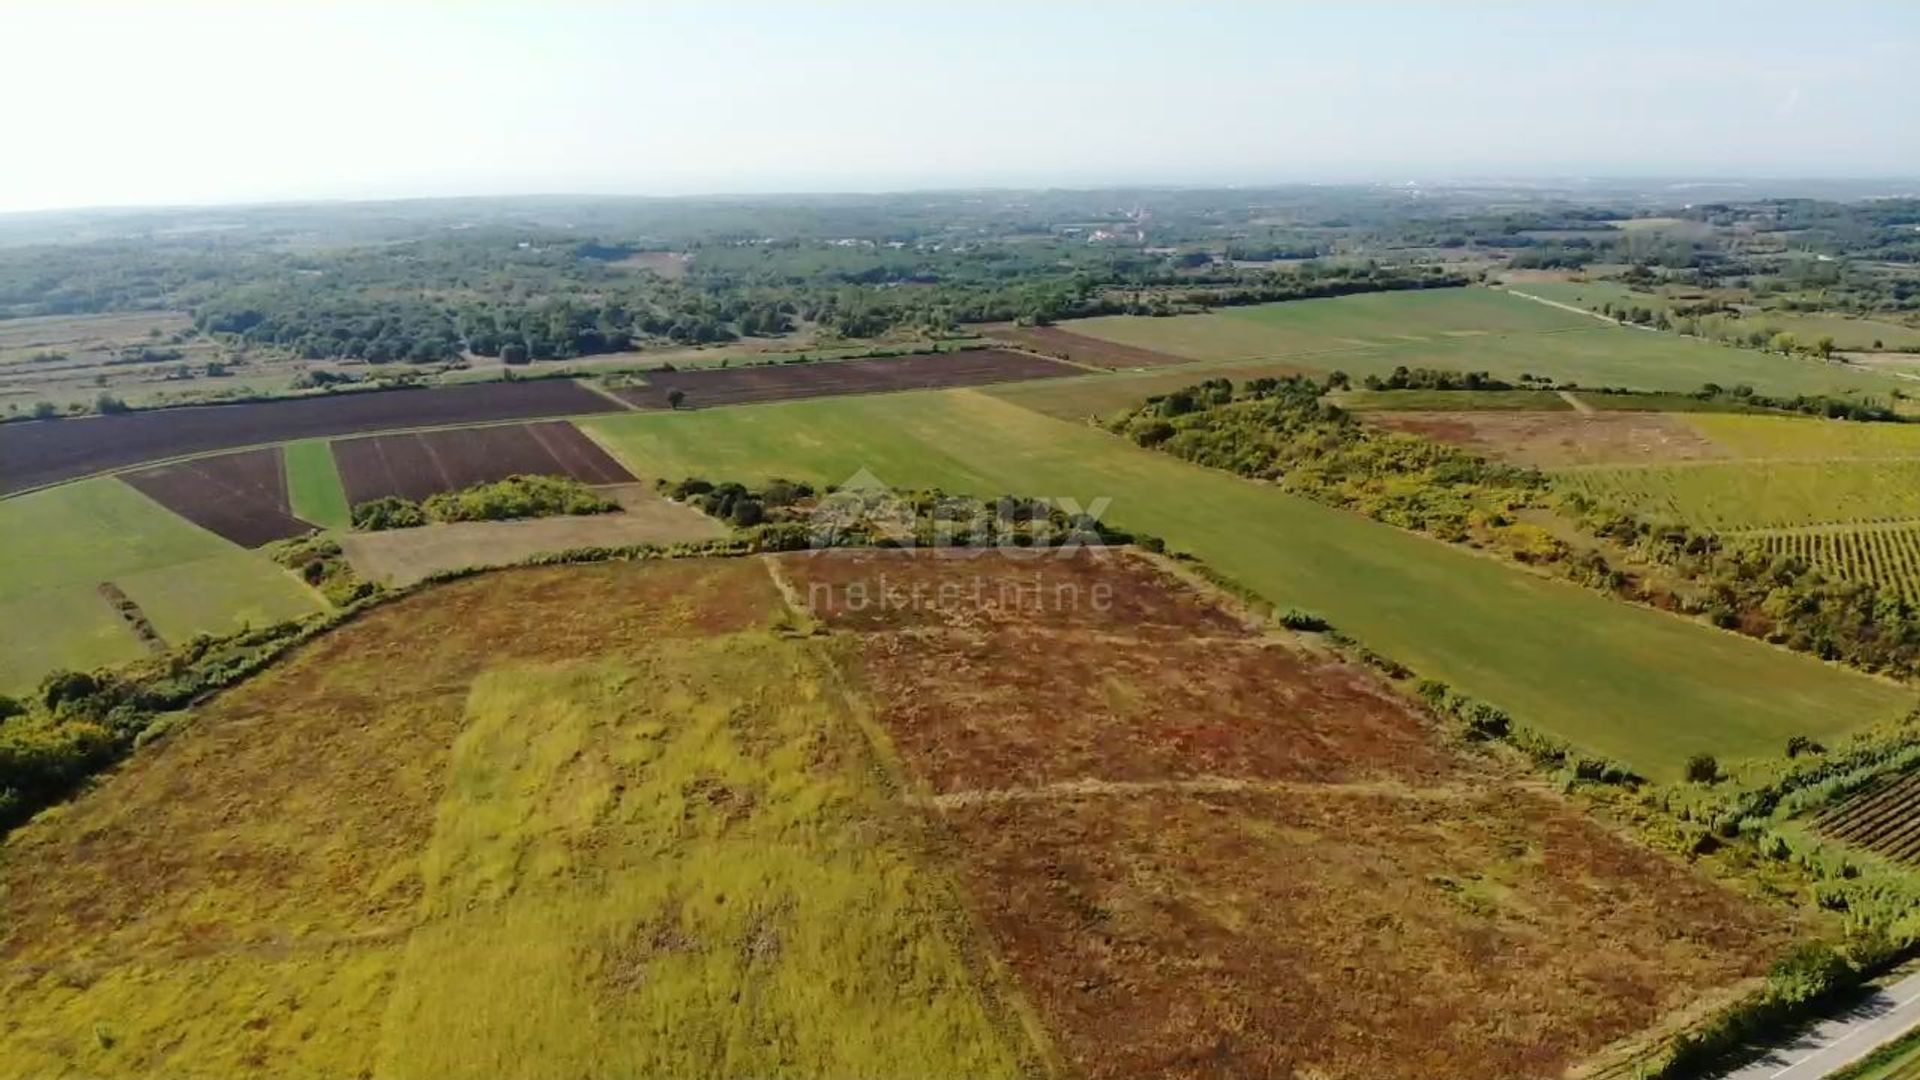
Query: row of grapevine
(1885,555)
(1739,495)
(1884,820)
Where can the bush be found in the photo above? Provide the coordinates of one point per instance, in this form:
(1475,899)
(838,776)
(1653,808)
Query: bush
(1703,769)
(388,512)
(1295,619)
(518,497)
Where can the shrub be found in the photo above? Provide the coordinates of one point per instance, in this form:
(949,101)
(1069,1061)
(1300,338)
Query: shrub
(1295,619)
(518,497)
(388,512)
(1703,769)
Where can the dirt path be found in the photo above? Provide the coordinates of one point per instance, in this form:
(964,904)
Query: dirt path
(1578,405)
(1199,785)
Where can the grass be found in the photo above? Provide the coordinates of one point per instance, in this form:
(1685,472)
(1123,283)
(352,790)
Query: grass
(68,626)
(1475,330)
(1849,332)
(313,484)
(551,823)
(1080,397)
(58,545)
(1642,686)
(218,594)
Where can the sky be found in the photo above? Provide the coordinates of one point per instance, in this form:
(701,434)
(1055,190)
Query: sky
(152,104)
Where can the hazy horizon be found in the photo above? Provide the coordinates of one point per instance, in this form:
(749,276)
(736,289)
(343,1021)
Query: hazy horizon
(220,104)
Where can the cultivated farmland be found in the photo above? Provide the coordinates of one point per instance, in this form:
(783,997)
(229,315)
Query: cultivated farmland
(56,548)
(43,452)
(1556,439)
(1740,495)
(241,496)
(403,556)
(778,382)
(414,465)
(1616,679)
(1880,555)
(1884,820)
(1474,330)
(1081,349)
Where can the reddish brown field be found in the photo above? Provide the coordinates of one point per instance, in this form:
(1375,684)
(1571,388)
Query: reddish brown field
(1554,439)
(779,382)
(241,496)
(1082,349)
(418,464)
(40,452)
(1206,852)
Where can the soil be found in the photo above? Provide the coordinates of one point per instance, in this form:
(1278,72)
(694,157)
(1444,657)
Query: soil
(241,496)
(414,465)
(39,452)
(1081,349)
(1556,439)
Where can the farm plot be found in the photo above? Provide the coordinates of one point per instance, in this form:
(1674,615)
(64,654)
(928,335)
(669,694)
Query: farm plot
(1609,677)
(1475,330)
(778,382)
(1556,439)
(592,820)
(1081,349)
(1742,495)
(403,556)
(58,546)
(1884,820)
(1885,556)
(1193,845)
(44,452)
(1806,438)
(1338,324)
(241,496)
(414,465)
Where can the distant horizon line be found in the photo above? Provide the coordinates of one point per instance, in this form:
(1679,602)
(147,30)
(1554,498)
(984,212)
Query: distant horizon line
(1551,182)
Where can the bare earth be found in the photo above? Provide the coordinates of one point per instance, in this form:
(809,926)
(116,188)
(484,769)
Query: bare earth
(403,556)
(1554,439)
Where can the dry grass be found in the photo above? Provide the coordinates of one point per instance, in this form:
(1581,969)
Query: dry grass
(404,556)
(1212,854)
(1557,439)
(548,823)
(606,820)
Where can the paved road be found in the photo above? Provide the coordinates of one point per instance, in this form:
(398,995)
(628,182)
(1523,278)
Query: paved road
(1888,1014)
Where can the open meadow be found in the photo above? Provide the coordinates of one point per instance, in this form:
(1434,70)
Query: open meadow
(1615,679)
(720,817)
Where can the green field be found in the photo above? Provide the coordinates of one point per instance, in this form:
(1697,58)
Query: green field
(1849,332)
(313,484)
(1736,495)
(58,545)
(1639,685)
(1475,330)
